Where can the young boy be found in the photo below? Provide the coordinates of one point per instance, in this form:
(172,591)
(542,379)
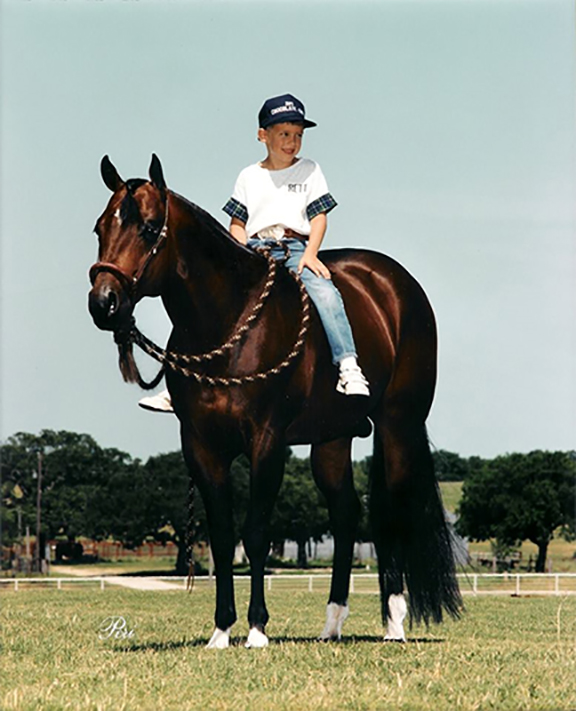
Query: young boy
(285,199)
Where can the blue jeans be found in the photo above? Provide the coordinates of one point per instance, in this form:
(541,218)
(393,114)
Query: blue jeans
(323,293)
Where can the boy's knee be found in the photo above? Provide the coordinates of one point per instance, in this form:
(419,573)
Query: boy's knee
(323,290)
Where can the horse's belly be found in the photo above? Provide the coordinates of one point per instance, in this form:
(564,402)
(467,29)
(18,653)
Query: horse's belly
(312,427)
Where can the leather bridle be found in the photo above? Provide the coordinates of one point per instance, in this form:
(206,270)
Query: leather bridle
(129,282)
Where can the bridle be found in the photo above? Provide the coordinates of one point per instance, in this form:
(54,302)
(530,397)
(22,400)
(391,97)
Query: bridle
(130,282)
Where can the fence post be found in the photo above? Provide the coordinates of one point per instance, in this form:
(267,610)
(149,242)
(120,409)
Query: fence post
(269,582)
(518,585)
(352,583)
(15,584)
(59,583)
(475,584)
(310,584)
(557,584)
(101,583)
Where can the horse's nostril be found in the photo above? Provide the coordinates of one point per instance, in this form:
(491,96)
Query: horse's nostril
(112,303)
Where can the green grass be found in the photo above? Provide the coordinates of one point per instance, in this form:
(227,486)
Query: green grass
(505,654)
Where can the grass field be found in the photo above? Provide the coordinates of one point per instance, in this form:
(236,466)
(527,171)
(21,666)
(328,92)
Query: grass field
(506,654)
(451,494)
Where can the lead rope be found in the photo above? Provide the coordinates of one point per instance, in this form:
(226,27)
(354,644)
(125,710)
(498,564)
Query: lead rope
(179,362)
(190,535)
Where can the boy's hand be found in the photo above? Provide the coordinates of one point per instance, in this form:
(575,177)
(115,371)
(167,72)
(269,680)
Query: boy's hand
(314,264)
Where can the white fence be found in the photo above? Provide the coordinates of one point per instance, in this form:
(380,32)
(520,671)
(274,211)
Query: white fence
(512,584)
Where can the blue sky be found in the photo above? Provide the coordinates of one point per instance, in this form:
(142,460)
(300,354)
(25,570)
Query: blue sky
(445,130)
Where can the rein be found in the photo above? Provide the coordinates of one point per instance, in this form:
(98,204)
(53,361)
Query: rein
(181,362)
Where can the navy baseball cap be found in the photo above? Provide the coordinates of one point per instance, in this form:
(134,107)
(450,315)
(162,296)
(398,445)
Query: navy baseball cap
(283,109)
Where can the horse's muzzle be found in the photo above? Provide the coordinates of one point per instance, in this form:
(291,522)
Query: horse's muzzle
(109,304)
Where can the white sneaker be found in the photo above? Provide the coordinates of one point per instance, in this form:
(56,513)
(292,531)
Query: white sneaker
(352,382)
(158,403)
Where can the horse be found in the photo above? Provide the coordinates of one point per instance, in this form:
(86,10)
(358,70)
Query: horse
(248,369)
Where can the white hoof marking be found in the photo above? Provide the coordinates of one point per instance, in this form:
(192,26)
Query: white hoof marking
(256,639)
(397,610)
(220,639)
(335,617)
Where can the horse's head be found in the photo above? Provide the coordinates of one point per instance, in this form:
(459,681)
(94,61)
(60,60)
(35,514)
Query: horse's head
(131,231)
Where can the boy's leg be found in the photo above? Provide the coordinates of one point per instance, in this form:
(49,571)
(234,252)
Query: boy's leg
(330,307)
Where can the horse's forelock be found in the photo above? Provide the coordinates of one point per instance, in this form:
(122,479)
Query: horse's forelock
(129,212)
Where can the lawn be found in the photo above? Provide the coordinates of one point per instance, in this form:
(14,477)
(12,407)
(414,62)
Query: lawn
(451,494)
(504,654)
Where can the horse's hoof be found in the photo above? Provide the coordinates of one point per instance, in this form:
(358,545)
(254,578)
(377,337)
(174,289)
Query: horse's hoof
(388,638)
(256,639)
(335,617)
(220,639)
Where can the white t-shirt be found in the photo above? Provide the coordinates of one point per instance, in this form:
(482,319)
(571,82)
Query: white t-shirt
(286,199)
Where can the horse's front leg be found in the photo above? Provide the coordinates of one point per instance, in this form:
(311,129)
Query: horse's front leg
(211,472)
(266,478)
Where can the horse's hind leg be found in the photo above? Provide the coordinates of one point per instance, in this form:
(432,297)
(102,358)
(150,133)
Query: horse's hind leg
(332,471)
(408,526)
(266,478)
(387,524)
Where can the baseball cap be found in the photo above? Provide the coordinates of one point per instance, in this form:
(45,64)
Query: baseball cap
(283,109)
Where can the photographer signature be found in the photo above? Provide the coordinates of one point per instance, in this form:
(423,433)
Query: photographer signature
(115,627)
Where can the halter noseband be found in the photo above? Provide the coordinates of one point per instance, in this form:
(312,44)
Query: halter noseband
(130,282)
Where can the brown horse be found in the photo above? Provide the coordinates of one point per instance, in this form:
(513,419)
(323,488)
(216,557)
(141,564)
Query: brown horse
(273,385)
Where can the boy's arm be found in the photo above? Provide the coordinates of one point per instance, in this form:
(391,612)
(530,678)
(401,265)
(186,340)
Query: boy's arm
(310,259)
(238,230)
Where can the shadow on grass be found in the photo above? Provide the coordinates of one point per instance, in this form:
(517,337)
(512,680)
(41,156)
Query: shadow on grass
(274,641)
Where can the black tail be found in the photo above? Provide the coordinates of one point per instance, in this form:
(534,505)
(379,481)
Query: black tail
(409,528)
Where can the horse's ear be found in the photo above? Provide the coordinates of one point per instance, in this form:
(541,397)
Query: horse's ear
(110,175)
(156,174)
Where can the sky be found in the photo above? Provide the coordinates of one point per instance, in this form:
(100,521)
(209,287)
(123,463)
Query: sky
(446,130)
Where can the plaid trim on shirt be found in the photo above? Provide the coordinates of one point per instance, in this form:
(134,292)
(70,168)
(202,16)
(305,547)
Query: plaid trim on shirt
(234,208)
(325,203)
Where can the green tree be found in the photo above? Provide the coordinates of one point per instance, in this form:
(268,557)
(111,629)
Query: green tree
(520,497)
(167,481)
(301,512)
(362,485)
(75,471)
(450,466)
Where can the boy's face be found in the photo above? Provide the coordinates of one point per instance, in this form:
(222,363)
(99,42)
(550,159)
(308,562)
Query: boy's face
(283,141)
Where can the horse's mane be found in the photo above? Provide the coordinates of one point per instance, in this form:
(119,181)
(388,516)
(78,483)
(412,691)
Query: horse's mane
(211,226)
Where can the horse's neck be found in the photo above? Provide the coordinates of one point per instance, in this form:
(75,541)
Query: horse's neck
(212,277)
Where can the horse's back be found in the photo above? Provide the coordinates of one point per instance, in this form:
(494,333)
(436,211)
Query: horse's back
(379,291)
(377,271)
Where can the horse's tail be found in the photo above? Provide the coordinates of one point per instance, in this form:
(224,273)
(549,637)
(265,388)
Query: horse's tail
(409,527)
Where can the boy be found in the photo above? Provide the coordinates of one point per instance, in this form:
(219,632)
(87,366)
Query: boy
(285,199)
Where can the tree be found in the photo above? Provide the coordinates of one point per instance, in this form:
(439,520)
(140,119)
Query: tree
(520,497)
(301,512)
(167,481)
(362,485)
(450,466)
(75,472)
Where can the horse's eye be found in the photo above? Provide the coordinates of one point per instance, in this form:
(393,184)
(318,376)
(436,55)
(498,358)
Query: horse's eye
(149,232)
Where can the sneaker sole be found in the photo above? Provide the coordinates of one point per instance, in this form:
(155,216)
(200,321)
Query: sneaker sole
(150,408)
